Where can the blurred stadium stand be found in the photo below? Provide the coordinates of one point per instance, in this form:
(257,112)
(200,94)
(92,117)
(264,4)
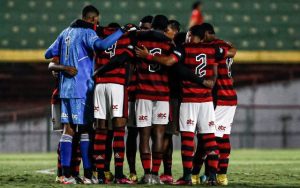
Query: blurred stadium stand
(266,33)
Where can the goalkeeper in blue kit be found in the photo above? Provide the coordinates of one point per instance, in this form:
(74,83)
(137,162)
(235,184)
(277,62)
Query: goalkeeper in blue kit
(76,46)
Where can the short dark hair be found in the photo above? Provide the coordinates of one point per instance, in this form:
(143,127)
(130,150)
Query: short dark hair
(197,30)
(196,4)
(147,19)
(208,27)
(160,22)
(114,25)
(179,38)
(88,10)
(174,24)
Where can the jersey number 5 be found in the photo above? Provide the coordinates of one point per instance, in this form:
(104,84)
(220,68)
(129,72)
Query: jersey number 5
(203,62)
(154,67)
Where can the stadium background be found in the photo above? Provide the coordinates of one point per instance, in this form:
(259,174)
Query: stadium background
(266,69)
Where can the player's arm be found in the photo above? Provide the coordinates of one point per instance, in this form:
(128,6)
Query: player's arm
(56,67)
(142,52)
(225,53)
(211,82)
(114,63)
(103,44)
(54,49)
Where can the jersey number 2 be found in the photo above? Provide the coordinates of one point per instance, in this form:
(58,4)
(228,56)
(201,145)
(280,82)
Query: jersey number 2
(203,62)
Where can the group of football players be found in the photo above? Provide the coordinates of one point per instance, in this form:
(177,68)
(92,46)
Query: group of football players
(151,79)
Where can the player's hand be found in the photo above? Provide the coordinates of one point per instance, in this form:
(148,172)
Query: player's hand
(55,74)
(141,52)
(72,71)
(128,27)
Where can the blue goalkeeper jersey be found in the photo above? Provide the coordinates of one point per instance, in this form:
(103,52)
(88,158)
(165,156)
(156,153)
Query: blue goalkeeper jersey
(75,47)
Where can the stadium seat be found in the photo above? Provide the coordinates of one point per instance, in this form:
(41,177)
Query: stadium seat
(34,24)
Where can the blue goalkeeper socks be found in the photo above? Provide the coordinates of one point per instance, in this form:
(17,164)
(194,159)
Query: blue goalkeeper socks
(85,148)
(66,153)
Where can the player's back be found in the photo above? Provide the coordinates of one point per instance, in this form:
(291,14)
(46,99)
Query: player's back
(224,93)
(152,78)
(76,50)
(118,75)
(200,58)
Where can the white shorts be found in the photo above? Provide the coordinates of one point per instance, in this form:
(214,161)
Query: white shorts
(131,114)
(224,119)
(197,115)
(150,112)
(109,101)
(55,117)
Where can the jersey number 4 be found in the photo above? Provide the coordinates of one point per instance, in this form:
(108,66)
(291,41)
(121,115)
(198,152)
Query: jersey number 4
(111,50)
(154,67)
(203,62)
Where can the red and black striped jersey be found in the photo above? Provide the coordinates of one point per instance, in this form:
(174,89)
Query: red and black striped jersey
(131,88)
(224,93)
(199,58)
(152,78)
(118,75)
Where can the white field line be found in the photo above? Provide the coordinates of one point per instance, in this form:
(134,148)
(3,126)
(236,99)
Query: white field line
(50,171)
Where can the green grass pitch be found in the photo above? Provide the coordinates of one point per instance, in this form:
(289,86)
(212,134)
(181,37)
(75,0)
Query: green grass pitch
(248,168)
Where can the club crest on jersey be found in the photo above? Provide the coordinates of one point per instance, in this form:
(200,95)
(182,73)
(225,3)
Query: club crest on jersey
(190,122)
(143,118)
(162,115)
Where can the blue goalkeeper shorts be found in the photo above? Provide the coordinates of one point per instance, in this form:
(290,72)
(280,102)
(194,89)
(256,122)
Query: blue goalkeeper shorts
(77,111)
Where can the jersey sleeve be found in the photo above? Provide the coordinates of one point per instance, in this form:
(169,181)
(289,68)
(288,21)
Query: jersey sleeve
(90,38)
(54,49)
(178,53)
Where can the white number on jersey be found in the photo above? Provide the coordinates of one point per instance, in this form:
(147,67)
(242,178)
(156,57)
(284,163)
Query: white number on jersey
(154,67)
(203,62)
(111,50)
(229,62)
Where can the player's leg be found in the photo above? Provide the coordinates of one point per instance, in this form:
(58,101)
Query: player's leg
(131,142)
(66,141)
(187,123)
(207,130)
(166,177)
(100,114)
(198,160)
(59,177)
(108,152)
(131,149)
(143,120)
(76,157)
(160,118)
(224,119)
(118,103)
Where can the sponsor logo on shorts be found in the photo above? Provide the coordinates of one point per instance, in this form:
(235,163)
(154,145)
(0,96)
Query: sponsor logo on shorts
(190,122)
(115,107)
(162,115)
(64,115)
(221,128)
(74,116)
(211,123)
(96,108)
(143,118)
